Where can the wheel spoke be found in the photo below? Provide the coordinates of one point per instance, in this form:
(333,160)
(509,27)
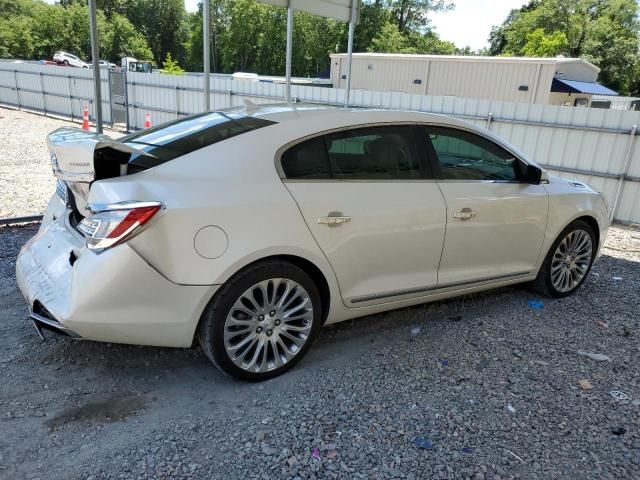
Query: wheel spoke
(230,333)
(291,311)
(247,342)
(285,294)
(293,294)
(294,328)
(298,342)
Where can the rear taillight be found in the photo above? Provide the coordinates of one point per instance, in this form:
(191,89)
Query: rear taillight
(111,225)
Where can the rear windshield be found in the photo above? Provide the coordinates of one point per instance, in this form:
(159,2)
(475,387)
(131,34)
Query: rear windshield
(171,140)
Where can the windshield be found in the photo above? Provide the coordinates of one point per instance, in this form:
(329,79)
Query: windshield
(180,137)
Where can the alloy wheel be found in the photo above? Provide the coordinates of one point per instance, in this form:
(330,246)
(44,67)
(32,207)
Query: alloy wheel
(571,261)
(268,325)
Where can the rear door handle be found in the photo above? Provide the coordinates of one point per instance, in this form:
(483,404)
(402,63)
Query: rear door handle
(334,219)
(465,214)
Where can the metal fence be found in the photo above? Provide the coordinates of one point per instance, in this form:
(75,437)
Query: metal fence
(591,145)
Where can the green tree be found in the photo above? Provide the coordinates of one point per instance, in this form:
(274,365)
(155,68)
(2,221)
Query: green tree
(498,35)
(604,32)
(391,40)
(430,43)
(32,29)
(171,67)
(414,14)
(126,41)
(238,42)
(163,24)
(541,44)
(374,15)
(16,40)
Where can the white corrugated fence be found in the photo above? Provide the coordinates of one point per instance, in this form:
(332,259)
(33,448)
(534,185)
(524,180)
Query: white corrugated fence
(595,146)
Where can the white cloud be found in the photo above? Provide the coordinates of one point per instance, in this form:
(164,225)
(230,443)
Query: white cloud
(471,21)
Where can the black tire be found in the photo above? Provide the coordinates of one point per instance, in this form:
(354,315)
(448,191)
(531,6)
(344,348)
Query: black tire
(543,283)
(212,324)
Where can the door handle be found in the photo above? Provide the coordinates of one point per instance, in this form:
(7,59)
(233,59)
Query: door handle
(465,214)
(334,218)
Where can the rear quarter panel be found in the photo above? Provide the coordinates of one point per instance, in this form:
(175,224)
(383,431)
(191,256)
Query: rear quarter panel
(232,185)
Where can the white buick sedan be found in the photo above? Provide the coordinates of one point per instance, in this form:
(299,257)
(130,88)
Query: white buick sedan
(246,230)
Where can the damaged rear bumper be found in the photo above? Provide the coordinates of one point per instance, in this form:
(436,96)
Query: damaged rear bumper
(44,321)
(115,296)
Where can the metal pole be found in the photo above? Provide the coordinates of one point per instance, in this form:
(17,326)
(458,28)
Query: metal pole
(623,176)
(70,96)
(206,49)
(15,80)
(352,26)
(95,57)
(289,52)
(44,96)
(126,101)
(489,120)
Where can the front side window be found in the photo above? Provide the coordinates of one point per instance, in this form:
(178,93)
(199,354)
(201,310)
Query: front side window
(372,153)
(463,155)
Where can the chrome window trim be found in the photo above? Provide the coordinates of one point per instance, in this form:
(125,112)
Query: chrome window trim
(293,143)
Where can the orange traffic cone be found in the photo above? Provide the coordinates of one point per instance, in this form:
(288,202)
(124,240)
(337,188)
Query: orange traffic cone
(147,120)
(85,118)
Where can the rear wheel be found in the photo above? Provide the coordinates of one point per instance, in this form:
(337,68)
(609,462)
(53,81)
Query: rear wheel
(568,262)
(65,63)
(262,321)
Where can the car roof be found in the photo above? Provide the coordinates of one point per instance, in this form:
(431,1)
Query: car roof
(285,113)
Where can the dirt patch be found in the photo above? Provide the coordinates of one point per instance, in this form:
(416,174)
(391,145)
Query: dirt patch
(113,409)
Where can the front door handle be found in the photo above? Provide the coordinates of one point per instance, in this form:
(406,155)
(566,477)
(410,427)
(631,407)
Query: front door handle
(334,218)
(465,214)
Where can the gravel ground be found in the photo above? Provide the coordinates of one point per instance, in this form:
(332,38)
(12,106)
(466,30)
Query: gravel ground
(26,181)
(490,386)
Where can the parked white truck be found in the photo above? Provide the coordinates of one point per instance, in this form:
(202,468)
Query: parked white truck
(131,64)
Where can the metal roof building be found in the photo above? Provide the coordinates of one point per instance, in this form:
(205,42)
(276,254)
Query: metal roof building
(554,81)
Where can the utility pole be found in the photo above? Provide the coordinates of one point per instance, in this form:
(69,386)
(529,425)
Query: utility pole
(95,57)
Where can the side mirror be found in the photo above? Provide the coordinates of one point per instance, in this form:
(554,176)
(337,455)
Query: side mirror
(533,175)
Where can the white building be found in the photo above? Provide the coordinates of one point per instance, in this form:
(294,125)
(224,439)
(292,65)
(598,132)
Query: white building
(553,81)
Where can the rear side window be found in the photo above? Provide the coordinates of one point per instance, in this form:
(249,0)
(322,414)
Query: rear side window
(175,139)
(307,160)
(372,153)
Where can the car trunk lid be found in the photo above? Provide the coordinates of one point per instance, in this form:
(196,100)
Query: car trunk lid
(79,157)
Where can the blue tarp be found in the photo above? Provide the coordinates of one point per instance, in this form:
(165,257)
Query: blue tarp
(575,86)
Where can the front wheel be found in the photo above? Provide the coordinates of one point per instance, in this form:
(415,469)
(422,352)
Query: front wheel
(568,262)
(262,321)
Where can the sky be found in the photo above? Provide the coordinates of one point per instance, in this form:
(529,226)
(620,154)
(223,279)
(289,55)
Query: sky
(468,24)
(471,21)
